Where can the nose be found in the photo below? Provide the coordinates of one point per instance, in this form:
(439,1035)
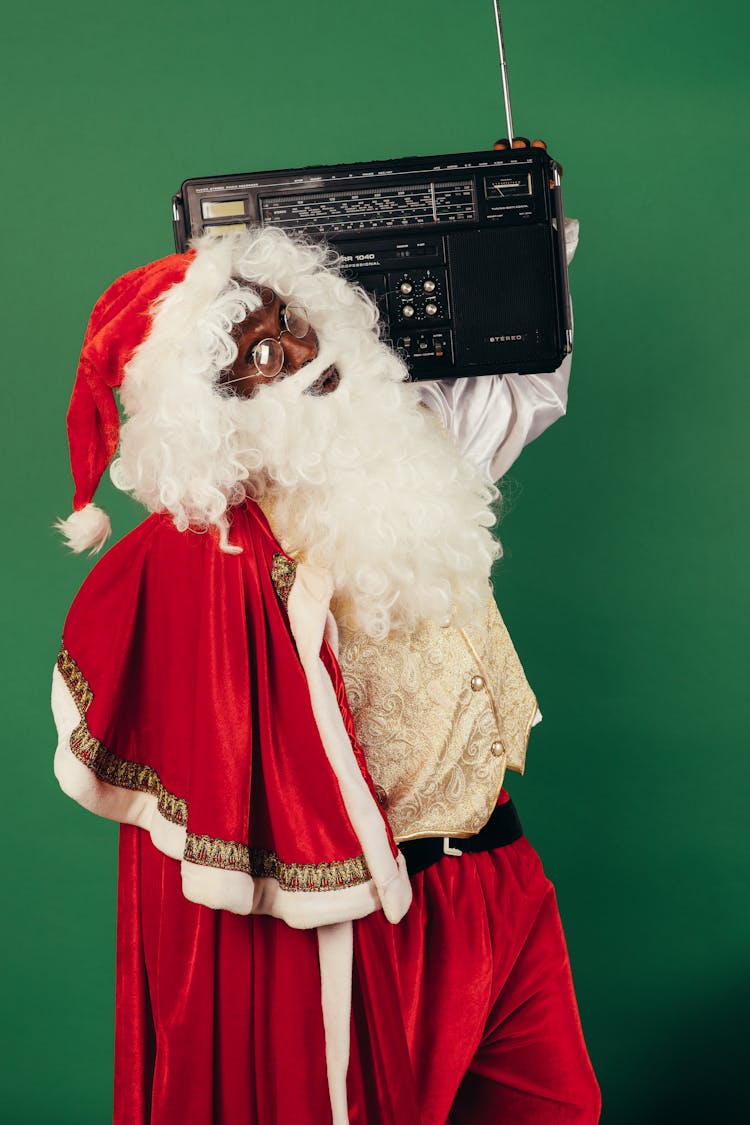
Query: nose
(298,352)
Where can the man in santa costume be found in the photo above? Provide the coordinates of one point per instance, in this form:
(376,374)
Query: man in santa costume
(292,688)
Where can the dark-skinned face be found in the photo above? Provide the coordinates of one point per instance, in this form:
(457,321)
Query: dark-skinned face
(244,379)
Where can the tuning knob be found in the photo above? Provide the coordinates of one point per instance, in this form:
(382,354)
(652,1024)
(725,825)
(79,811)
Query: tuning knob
(431,308)
(406,288)
(428,285)
(408,311)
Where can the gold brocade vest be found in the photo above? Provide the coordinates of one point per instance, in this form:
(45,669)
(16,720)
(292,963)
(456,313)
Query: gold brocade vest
(440,715)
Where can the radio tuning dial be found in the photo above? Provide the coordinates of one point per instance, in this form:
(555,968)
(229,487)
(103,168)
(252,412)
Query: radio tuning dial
(428,285)
(406,288)
(430,308)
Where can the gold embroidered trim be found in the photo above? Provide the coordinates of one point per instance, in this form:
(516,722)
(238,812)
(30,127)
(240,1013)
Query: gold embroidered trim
(102,762)
(75,681)
(205,850)
(333,876)
(264,864)
(210,852)
(283,575)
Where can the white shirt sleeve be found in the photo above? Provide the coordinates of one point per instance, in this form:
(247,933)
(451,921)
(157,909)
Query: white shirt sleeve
(493,417)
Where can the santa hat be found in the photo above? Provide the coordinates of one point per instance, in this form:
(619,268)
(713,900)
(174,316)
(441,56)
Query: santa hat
(120,322)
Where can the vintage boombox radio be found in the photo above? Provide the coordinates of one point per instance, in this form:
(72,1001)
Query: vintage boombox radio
(464,253)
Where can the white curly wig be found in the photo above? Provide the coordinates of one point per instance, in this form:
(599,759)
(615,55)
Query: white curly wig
(361,481)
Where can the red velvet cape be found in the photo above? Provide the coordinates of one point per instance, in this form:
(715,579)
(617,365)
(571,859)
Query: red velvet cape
(183,707)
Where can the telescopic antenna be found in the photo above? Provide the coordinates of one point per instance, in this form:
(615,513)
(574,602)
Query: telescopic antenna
(504,73)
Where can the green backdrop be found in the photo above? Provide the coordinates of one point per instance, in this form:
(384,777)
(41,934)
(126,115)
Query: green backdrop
(624,578)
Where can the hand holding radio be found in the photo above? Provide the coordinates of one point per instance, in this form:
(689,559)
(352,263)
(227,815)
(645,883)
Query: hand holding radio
(518,142)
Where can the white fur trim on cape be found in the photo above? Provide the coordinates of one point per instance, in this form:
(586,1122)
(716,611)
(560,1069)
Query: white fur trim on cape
(308,612)
(85,530)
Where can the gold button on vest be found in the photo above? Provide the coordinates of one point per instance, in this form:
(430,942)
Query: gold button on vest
(439,715)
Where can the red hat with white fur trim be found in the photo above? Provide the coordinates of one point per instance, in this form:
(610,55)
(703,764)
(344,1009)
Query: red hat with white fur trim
(120,322)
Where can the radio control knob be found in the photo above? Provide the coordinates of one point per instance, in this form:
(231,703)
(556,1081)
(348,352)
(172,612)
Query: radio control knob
(430,308)
(428,285)
(406,288)
(408,311)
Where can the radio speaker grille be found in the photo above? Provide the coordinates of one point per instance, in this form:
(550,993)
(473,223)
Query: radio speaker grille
(518,300)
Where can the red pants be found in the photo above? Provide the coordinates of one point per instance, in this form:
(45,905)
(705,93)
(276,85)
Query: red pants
(462,1013)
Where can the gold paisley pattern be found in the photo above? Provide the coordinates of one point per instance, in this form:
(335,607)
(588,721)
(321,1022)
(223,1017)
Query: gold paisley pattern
(427,734)
(108,767)
(283,574)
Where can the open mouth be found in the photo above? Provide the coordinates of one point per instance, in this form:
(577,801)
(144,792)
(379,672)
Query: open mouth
(326,382)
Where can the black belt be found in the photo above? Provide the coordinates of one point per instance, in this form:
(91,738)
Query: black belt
(502,828)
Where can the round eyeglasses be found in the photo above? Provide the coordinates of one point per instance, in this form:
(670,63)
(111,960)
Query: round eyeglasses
(268,353)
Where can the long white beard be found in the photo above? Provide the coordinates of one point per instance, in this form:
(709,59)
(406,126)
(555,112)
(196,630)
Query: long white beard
(361,481)
(364,483)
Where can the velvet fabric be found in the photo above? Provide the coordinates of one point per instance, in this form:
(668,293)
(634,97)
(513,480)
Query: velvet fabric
(463,1013)
(197,701)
